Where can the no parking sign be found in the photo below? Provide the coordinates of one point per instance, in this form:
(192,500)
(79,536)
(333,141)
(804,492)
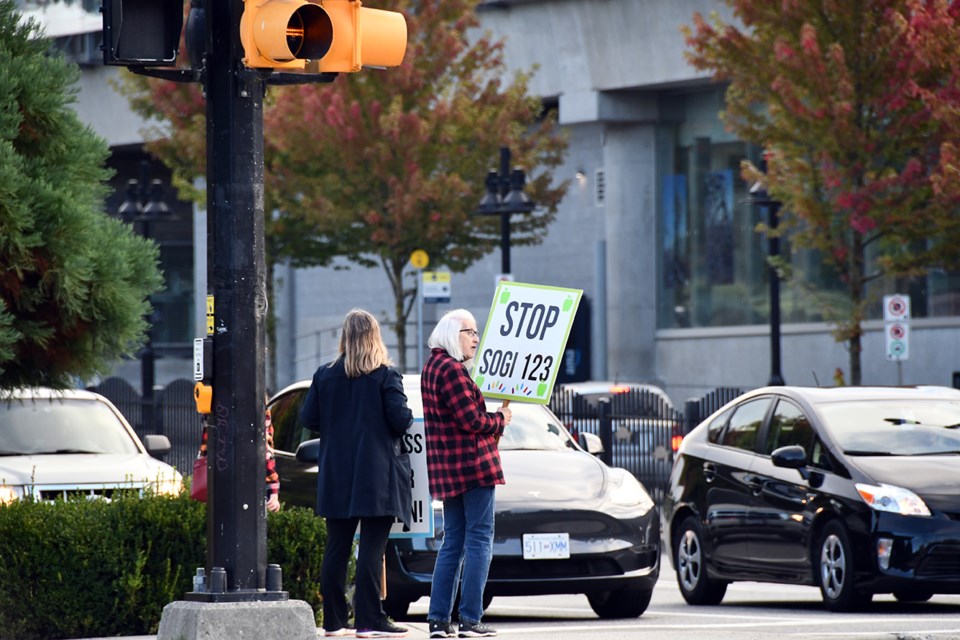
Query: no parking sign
(523,341)
(896,326)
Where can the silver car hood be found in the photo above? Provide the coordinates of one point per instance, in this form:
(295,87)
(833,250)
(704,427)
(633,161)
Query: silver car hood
(82,469)
(550,476)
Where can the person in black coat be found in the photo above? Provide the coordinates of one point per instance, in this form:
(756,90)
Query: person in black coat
(357,406)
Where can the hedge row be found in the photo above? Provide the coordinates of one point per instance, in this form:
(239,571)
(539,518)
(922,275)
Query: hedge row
(94,568)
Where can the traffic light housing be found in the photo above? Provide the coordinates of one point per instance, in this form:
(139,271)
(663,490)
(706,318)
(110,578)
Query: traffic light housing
(325,36)
(141,32)
(284,34)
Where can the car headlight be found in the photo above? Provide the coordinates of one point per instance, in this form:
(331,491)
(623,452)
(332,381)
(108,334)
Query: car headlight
(167,485)
(887,497)
(10,493)
(626,490)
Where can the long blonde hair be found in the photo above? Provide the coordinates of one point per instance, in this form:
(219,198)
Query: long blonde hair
(361,344)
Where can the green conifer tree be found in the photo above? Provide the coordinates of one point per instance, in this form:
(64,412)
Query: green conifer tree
(74,283)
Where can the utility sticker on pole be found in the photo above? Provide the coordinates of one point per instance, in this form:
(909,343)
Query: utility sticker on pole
(523,341)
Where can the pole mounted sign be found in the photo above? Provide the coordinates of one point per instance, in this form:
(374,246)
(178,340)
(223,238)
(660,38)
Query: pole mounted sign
(896,326)
(523,341)
(436,286)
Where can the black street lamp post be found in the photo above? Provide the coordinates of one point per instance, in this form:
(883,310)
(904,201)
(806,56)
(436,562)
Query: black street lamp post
(144,204)
(760,198)
(505,197)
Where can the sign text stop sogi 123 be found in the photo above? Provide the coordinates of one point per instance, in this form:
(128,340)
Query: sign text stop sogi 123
(523,341)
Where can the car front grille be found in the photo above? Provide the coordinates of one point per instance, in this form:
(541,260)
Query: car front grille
(941,562)
(73,492)
(516,568)
(614,564)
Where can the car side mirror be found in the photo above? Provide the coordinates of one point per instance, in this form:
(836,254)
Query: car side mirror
(156,445)
(791,457)
(309,451)
(590,442)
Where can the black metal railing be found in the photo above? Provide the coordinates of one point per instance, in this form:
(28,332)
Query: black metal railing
(639,428)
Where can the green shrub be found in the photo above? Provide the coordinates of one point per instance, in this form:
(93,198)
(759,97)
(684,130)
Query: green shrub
(296,539)
(94,568)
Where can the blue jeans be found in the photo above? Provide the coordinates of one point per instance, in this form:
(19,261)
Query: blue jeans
(466,549)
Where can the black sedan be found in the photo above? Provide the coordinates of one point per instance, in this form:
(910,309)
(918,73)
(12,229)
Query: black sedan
(603,527)
(855,490)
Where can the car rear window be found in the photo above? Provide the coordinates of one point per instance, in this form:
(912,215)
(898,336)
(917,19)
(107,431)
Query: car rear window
(61,425)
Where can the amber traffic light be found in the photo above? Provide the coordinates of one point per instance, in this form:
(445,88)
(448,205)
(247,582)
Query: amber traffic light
(323,35)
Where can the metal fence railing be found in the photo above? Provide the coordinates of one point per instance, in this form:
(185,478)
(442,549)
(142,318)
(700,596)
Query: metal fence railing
(175,416)
(640,429)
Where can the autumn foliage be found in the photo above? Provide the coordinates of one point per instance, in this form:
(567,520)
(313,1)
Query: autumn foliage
(380,163)
(855,104)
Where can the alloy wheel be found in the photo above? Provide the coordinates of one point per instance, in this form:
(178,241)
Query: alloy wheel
(689,562)
(833,566)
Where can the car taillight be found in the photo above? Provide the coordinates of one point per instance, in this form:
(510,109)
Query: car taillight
(676,437)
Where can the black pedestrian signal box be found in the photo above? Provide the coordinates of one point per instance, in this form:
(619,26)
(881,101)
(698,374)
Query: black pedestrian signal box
(141,32)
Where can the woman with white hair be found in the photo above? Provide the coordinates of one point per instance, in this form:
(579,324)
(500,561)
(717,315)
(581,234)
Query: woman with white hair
(463,465)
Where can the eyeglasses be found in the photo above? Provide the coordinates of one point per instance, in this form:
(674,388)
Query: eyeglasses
(470,332)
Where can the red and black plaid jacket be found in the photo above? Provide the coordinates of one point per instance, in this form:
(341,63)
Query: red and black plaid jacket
(461,434)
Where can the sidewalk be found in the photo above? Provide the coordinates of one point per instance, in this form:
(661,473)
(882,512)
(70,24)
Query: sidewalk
(417,630)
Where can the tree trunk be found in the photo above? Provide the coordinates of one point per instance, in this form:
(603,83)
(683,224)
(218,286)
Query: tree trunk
(857,285)
(395,275)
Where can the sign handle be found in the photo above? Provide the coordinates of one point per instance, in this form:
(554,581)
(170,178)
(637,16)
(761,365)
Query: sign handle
(505,403)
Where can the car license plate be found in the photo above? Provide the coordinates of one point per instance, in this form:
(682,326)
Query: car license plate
(541,546)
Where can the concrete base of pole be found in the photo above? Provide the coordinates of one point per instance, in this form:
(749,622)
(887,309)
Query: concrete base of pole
(285,620)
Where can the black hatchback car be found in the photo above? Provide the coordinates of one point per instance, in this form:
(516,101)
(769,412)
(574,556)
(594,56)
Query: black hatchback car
(605,525)
(855,490)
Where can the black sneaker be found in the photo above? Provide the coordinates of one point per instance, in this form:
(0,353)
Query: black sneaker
(476,630)
(385,629)
(440,629)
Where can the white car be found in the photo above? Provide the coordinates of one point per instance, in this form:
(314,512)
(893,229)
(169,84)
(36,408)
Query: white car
(57,444)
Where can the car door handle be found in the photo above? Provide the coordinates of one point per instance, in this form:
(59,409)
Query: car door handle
(755,485)
(709,471)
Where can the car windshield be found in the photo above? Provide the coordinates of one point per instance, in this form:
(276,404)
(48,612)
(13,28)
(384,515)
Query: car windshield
(895,427)
(61,425)
(533,428)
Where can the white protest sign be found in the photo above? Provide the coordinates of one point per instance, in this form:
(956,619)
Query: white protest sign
(414,442)
(523,341)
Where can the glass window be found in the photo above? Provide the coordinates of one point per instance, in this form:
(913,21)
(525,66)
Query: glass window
(788,426)
(35,426)
(285,413)
(894,427)
(173,306)
(715,430)
(745,424)
(713,263)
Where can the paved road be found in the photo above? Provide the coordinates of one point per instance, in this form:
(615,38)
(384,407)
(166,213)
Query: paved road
(750,611)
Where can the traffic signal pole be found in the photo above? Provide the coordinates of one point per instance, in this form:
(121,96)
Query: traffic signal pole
(239,599)
(235,56)
(236,520)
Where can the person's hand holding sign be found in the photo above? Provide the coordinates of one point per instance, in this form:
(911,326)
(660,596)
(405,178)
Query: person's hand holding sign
(507,415)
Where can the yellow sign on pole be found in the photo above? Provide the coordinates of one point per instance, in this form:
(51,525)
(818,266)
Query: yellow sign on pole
(209,315)
(419,259)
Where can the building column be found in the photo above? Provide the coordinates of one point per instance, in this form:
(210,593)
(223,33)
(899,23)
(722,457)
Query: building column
(629,162)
